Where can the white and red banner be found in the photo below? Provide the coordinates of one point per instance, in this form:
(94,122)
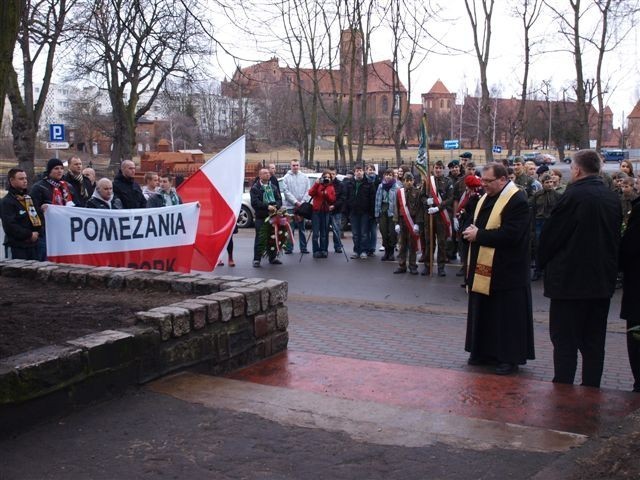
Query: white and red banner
(148,238)
(218,186)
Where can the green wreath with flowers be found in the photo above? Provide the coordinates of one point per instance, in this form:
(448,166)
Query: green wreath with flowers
(275,235)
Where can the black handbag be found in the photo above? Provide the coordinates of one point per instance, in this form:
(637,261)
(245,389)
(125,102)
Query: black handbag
(304,210)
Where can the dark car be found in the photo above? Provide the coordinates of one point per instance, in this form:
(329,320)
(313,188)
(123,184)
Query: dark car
(613,155)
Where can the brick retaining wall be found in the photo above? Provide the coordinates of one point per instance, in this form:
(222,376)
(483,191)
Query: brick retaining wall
(228,323)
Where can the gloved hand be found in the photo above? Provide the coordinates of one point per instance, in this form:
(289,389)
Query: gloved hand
(416,228)
(456,224)
(397,227)
(430,201)
(433,210)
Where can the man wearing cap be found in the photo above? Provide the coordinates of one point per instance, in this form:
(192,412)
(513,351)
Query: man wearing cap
(21,223)
(126,188)
(457,180)
(499,318)
(51,190)
(522,179)
(81,186)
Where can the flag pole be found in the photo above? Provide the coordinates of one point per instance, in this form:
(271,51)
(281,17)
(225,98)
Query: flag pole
(422,164)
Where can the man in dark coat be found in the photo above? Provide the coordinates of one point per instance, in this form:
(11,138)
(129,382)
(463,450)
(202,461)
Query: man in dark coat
(630,268)
(81,186)
(51,190)
(126,188)
(499,318)
(20,221)
(265,200)
(360,205)
(578,252)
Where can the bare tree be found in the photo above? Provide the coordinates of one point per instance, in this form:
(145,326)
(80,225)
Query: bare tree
(88,122)
(132,47)
(482,45)
(528,12)
(42,27)
(10,15)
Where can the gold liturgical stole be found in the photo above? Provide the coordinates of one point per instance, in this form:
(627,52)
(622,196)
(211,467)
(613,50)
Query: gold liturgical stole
(484,264)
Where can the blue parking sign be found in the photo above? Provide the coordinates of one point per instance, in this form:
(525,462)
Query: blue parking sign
(56,132)
(497,149)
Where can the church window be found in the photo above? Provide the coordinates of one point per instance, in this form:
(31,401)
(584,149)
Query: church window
(385,104)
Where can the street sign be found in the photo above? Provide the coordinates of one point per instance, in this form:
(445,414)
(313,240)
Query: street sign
(497,149)
(451,144)
(56,132)
(57,145)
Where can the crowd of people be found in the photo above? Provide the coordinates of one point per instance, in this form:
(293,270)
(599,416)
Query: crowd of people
(22,209)
(510,224)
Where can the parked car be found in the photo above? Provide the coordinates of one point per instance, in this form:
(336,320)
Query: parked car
(246,215)
(544,159)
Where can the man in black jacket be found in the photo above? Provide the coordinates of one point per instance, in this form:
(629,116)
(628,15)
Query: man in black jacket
(360,206)
(265,200)
(578,252)
(126,188)
(20,220)
(81,186)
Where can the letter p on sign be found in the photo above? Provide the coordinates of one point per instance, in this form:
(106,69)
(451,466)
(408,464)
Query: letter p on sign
(56,132)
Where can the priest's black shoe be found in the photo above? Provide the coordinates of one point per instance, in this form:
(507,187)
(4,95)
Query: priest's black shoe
(506,368)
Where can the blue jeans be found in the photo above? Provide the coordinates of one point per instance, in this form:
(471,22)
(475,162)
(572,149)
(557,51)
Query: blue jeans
(301,232)
(359,230)
(335,220)
(320,226)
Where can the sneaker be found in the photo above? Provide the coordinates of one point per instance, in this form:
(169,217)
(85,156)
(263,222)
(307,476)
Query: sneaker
(413,270)
(400,270)
(304,251)
(275,261)
(381,249)
(425,271)
(363,255)
(338,250)
(355,255)
(288,252)
(441,272)
(256,263)
(371,254)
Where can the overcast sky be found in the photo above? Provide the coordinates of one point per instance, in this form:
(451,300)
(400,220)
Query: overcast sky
(458,67)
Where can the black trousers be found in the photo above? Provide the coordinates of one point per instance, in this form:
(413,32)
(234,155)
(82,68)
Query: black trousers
(258,223)
(578,325)
(29,253)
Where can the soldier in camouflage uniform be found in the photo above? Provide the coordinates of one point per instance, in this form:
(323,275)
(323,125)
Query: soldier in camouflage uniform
(407,243)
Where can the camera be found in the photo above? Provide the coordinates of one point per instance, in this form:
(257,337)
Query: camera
(326,181)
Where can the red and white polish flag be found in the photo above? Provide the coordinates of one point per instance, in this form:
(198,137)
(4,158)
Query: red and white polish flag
(218,187)
(147,238)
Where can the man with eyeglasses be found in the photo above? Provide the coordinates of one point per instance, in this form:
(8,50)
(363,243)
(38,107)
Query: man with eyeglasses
(499,317)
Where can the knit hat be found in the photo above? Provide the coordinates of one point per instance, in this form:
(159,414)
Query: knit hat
(53,163)
(472,181)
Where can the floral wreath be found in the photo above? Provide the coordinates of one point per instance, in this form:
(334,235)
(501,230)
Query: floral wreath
(275,234)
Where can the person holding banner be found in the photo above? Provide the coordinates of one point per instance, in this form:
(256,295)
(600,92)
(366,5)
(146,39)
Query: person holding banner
(51,190)
(499,317)
(20,221)
(437,199)
(103,196)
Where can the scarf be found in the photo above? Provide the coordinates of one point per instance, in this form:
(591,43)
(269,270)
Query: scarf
(80,179)
(60,194)
(484,263)
(170,198)
(27,203)
(268,197)
(388,184)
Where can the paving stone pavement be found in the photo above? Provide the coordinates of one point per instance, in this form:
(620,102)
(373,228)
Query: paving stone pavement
(413,337)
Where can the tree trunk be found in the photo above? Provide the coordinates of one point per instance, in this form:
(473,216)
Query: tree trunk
(10,13)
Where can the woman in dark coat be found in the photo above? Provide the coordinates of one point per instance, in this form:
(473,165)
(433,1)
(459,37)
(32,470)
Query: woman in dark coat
(630,267)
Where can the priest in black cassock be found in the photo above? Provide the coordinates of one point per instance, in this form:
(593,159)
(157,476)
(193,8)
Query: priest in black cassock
(499,318)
